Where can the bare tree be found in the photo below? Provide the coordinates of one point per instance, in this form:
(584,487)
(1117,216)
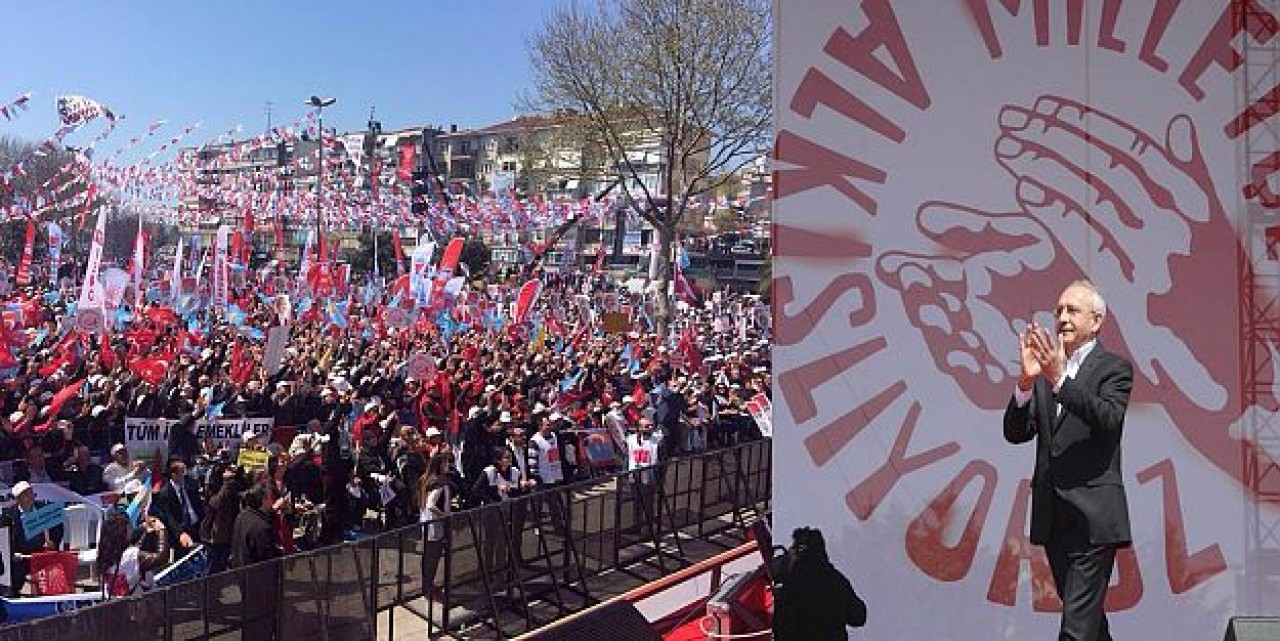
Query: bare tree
(689,79)
(42,192)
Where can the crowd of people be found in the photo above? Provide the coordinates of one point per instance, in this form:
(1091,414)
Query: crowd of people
(504,406)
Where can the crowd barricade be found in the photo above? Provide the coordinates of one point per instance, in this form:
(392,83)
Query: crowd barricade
(510,567)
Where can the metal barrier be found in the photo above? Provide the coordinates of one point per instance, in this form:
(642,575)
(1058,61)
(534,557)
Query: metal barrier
(509,567)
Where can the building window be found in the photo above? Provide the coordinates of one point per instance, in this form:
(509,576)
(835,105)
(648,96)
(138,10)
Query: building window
(464,147)
(509,165)
(486,168)
(491,144)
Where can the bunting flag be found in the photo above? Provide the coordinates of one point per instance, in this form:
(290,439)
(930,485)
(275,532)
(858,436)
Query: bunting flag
(16,106)
(23,278)
(74,111)
(88,206)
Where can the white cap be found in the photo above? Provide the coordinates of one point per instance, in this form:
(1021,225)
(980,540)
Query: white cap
(118,447)
(433,431)
(19,488)
(555,416)
(539,408)
(505,417)
(132,486)
(371,406)
(248,436)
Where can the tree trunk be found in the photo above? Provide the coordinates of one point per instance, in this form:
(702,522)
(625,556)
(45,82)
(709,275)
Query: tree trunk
(662,298)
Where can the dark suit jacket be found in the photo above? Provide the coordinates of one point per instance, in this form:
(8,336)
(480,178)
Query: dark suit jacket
(166,506)
(1078,451)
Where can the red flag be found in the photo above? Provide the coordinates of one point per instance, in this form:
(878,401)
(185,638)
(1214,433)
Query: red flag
(526,299)
(638,395)
(279,234)
(241,365)
(449,260)
(152,369)
(106,356)
(23,277)
(65,394)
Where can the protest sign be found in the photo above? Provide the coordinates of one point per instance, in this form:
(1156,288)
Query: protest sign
(253,459)
(614,322)
(273,355)
(42,518)
(147,434)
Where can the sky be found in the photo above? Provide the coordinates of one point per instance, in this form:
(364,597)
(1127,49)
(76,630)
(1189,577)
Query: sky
(219,62)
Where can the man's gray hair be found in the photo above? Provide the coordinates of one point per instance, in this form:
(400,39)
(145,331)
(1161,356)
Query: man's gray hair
(1099,303)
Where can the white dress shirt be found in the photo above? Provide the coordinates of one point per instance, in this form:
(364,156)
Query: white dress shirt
(1069,370)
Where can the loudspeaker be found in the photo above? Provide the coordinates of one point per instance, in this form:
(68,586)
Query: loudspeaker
(1253,629)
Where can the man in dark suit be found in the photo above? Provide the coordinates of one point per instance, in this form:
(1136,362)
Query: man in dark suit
(1072,396)
(177,504)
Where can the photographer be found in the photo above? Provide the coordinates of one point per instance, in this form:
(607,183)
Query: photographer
(812,599)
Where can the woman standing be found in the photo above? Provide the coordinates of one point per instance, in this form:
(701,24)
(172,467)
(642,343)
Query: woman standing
(122,563)
(435,499)
(497,484)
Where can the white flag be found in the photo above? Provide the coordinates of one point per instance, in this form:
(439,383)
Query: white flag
(92,295)
(175,279)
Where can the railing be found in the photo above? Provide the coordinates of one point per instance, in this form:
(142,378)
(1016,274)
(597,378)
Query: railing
(547,549)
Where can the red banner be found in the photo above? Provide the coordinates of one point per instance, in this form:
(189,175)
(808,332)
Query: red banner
(28,248)
(405,170)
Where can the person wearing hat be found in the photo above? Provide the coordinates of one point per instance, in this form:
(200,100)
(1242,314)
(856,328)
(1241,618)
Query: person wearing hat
(23,544)
(121,470)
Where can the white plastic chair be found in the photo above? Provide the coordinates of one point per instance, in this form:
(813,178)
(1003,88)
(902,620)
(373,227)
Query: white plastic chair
(81,532)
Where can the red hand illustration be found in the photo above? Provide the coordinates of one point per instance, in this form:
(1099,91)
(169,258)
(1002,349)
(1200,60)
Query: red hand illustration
(1145,225)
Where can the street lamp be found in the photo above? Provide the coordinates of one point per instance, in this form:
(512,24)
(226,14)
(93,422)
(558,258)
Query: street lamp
(319,103)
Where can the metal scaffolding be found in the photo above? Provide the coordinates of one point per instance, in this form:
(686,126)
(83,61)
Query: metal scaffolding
(1259,282)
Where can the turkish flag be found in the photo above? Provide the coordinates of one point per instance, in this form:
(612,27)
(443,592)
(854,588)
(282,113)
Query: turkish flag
(151,368)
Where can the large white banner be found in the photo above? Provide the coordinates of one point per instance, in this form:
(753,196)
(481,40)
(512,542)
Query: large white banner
(943,170)
(91,294)
(221,274)
(144,435)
